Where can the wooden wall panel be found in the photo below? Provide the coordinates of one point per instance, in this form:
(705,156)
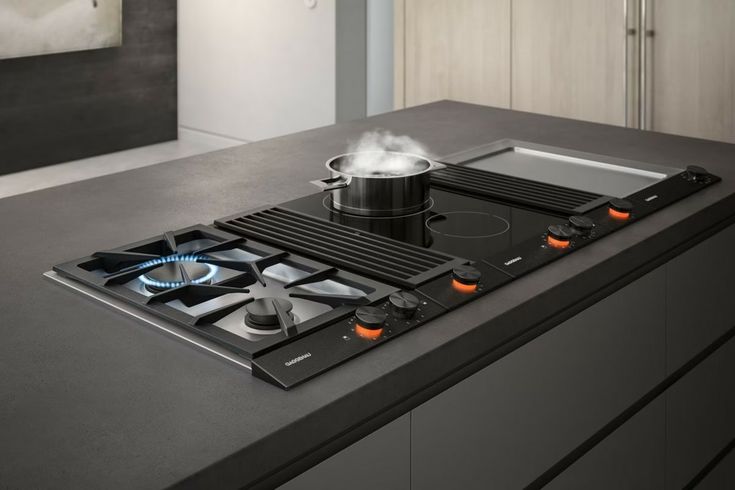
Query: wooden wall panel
(67,106)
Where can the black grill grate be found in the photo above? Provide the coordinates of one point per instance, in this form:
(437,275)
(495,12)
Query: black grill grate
(370,254)
(516,190)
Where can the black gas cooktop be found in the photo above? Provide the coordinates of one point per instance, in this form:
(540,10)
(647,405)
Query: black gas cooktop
(296,289)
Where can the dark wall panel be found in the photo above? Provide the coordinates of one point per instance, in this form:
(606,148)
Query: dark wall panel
(351,76)
(62,107)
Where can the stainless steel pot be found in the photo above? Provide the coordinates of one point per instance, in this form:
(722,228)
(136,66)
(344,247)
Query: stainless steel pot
(379,183)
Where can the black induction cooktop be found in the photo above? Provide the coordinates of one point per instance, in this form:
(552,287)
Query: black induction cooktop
(457,224)
(294,290)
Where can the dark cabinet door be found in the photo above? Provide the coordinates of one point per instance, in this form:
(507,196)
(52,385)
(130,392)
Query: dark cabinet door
(700,287)
(700,413)
(378,461)
(721,476)
(507,424)
(632,457)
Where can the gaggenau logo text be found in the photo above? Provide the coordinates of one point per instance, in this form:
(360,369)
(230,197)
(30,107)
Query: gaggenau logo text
(513,260)
(297,359)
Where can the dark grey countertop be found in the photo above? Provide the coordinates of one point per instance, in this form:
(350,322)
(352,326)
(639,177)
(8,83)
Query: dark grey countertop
(91,398)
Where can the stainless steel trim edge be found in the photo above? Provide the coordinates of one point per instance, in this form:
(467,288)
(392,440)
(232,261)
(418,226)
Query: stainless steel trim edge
(149,319)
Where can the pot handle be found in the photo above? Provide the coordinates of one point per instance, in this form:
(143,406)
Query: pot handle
(436,166)
(332,183)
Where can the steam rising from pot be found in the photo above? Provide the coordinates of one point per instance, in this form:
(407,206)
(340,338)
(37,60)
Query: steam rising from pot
(382,154)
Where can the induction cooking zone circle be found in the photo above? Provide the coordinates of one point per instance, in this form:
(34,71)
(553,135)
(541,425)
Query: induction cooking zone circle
(327,203)
(467,224)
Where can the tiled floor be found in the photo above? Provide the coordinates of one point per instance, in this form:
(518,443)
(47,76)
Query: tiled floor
(189,143)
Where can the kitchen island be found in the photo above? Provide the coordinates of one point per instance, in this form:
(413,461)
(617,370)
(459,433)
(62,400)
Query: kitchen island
(625,344)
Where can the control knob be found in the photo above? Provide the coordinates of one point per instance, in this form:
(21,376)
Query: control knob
(465,278)
(370,322)
(620,208)
(559,236)
(403,304)
(582,225)
(696,174)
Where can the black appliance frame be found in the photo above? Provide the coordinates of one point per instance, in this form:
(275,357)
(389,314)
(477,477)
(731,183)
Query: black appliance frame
(325,341)
(327,350)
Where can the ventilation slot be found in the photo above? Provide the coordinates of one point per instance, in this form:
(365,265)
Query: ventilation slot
(374,255)
(516,190)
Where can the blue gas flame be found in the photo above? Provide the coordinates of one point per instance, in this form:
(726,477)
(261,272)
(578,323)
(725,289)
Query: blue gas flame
(175,258)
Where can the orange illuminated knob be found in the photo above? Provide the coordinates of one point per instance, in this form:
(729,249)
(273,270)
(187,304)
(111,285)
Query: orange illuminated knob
(620,208)
(465,278)
(559,236)
(370,322)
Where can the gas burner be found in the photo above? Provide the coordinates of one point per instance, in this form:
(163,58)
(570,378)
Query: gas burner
(266,315)
(174,270)
(468,224)
(233,296)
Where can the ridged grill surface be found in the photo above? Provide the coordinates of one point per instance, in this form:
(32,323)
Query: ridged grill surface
(341,245)
(512,189)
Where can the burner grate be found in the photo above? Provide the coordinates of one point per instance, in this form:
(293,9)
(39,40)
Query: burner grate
(215,308)
(516,190)
(398,262)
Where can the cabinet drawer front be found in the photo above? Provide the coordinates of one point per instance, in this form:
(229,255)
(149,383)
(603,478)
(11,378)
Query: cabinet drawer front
(505,425)
(632,457)
(700,415)
(721,476)
(379,460)
(700,285)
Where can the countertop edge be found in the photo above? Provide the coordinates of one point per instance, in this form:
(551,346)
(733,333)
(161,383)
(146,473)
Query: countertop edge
(477,349)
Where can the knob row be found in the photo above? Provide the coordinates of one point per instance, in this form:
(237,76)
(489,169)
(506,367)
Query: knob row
(560,236)
(370,320)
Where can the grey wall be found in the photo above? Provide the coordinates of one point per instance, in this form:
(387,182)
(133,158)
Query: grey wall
(379,56)
(63,107)
(351,60)
(364,58)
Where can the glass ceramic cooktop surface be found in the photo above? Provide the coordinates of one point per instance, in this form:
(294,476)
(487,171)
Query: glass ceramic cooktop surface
(456,224)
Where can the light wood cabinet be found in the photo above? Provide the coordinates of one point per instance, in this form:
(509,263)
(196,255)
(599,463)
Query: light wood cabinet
(569,58)
(663,65)
(453,49)
(691,68)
